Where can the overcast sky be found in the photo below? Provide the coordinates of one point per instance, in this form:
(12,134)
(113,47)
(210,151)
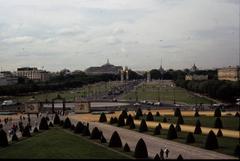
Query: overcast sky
(76,34)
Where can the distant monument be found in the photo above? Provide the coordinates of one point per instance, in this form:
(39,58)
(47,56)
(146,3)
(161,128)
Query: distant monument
(125,71)
(148,76)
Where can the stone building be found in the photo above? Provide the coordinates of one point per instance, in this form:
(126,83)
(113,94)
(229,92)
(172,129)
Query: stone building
(196,77)
(104,69)
(33,74)
(229,73)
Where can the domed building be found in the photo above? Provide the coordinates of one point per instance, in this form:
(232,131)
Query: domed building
(104,69)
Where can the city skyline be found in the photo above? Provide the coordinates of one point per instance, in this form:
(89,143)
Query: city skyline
(79,34)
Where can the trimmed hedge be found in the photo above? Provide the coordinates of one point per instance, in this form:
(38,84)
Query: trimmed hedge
(157,130)
(121,121)
(129,120)
(126,148)
(56,120)
(95,134)
(143,126)
(3,138)
(79,128)
(86,131)
(218,123)
(157,114)
(178,127)
(149,117)
(190,138)
(156,157)
(115,140)
(211,141)
(180,120)
(177,112)
(67,123)
(219,133)
(172,134)
(217,112)
(14,137)
(141,150)
(103,117)
(43,124)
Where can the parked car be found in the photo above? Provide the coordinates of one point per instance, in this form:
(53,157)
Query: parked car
(157,103)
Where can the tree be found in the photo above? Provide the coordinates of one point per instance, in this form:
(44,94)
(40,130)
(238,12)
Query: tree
(177,112)
(237,114)
(143,126)
(61,123)
(141,149)
(79,128)
(111,121)
(103,117)
(190,138)
(211,141)
(217,112)
(218,123)
(157,114)
(172,134)
(103,139)
(35,130)
(26,132)
(115,140)
(3,138)
(126,148)
(72,127)
(67,123)
(180,157)
(132,125)
(180,120)
(95,134)
(219,133)
(124,113)
(178,127)
(50,124)
(43,124)
(157,130)
(56,120)
(150,117)
(121,121)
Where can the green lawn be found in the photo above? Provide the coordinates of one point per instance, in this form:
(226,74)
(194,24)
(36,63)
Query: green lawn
(226,145)
(58,144)
(69,95)
(229,122)
(165,94)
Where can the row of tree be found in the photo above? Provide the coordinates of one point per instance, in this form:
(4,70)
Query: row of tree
(224,90)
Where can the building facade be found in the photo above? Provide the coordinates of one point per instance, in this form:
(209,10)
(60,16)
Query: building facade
(104,69)
(196,77)
(33,74)
(229,73)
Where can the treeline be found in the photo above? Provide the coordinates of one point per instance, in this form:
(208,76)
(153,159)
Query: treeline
(223,90)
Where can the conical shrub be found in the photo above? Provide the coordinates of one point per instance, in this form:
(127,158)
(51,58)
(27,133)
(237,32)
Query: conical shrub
(103,139)
(126,148)
(115,120)
(197,130)
(237,114)
(190,138)
(79,128)
(177,112)
(157,114)
(86,131)
(111,121)
(156,157)
(143,126)
(172,134)
(26,132)
(141,150)
(115,140)
(138,113)
(150,117)
(124,113)
(132,125)
(35,130)
(50,124)
(67,123)
(157,130)
(211,141)
(72,127)
(180,157)
(160,126)
(129,119)
(217,112)
(43,124)
(237,150)
(56,120)
(180,120)
(95,134)
(121,121)
(61,123)
(164,119)
(196,114)
(219,133)
(3,138)
(218,123)
(178,127)
(103,117)
(14,137)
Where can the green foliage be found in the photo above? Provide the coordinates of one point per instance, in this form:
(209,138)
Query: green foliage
(180,157)
(211,141)
(3,138)
(103,139)
(14,137)
(138,113)
(126,148)
(150,117)
(219,133)
(43,124)
(50,124)
(35,130)
(237,150)
(172,134)
(26,132)
(124,113)
(86,131)
(157,130)
(237,114)
(103,117)
(143,126)
(67,123)
(178,127)
(156,157)
(180,120)
(115,140)
(196,114)
(217,112)
(218,123)
(190,138)
(132,125)
(129,120)
(141,150)
(157,114)
(164,119)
